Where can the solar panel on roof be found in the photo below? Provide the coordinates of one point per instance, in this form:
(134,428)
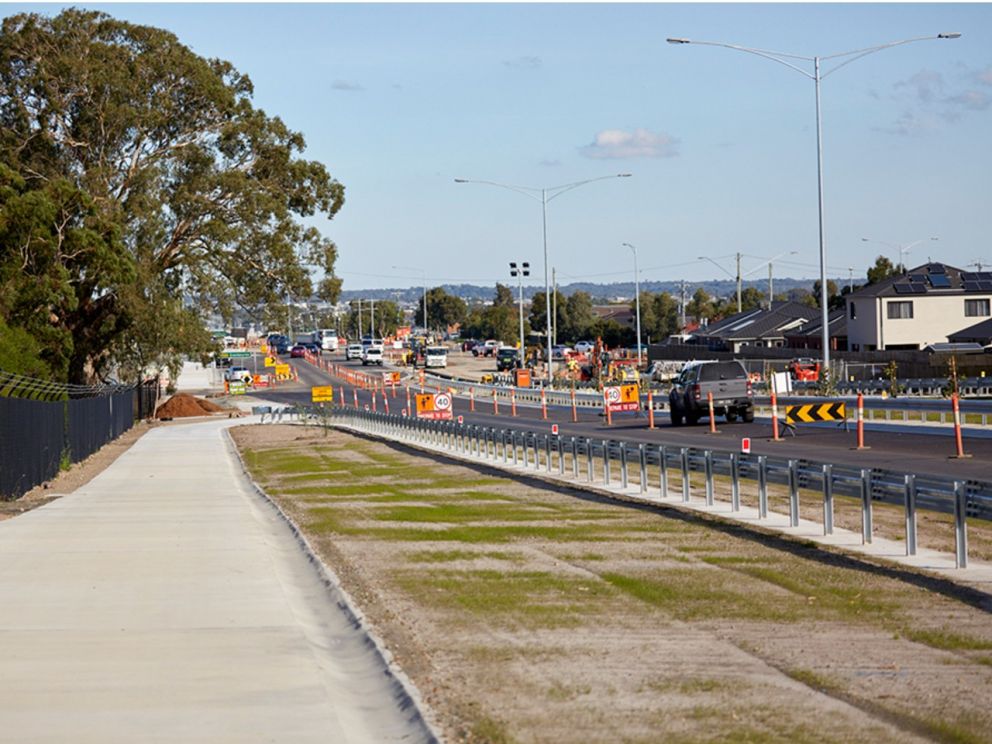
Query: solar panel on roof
(937,269)
(984,276)
(969,276)
(903,288)
(917,278)
(970,286)
(940,281)
(985,286)
(919,288)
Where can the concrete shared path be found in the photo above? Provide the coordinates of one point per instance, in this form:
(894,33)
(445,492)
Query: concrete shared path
(166,601)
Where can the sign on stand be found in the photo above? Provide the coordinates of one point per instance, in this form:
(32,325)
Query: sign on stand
(434,406)
(270,361)
(623,398)
(322,394)
(236,388)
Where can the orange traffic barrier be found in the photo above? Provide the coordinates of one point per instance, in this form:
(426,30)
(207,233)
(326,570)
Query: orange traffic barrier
(775,436)
(650,409)
(709,400)
(957,427)
(861,422)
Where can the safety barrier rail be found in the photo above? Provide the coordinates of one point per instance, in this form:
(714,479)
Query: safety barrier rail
(603,461)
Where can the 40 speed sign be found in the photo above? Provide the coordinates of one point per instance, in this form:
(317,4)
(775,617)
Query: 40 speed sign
(434,405)
(622,398)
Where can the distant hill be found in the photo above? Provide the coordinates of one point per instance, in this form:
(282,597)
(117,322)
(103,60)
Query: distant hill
(601,293)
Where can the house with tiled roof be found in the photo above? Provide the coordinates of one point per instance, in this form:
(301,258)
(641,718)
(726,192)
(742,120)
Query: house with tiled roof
(758,327)
(925,306)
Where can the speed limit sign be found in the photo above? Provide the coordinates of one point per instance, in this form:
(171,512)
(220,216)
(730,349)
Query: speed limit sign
(613,394)
(442,402)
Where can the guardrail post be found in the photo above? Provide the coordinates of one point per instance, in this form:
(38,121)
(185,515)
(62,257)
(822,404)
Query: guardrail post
(960,524)
(606,463)
(547,452)
(735,482)
(643,460)
(560,445)
(866,526)
(589,472)
(910,481)
(828,499)
(793,493)
(708,463)
(502,441)
(575,458)
(513,445)
(663,474)
(684,455)
(762,487)
(623,465)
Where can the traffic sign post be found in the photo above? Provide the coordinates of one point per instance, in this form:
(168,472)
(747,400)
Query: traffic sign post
(435,406)
(813,412)
(322,394)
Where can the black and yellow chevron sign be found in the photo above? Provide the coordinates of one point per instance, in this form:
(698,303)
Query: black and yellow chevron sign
(812,412)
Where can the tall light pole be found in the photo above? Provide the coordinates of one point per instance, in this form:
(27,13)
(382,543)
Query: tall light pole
(902,248)
(520,273)
(637,301)
(423,273)
(816,76)
(736,277)
(544,195)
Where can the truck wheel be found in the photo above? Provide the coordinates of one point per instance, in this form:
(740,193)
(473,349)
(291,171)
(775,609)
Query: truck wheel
(676,418)
(731,416)
(691,418)
(748,415)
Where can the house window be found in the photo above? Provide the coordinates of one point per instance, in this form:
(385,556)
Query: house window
(976,308)
(854,313)
(900,310)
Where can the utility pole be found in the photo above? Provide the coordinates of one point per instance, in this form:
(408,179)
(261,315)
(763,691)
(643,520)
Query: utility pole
(682,305)
(770,286)
(554,308)
(738,282)
(372,318)
(850,279)
(359,319)
(520,273)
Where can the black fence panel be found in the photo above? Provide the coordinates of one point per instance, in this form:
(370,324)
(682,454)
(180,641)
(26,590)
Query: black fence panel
(89,426)
(32,438)
(122,412)
(146,398)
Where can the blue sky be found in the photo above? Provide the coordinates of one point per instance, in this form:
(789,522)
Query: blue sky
(398,100)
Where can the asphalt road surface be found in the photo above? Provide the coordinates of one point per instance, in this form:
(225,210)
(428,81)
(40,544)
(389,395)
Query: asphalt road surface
(899,448)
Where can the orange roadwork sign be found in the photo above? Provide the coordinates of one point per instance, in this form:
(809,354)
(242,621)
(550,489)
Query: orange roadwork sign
(623,398)
(434,405)
(323,394)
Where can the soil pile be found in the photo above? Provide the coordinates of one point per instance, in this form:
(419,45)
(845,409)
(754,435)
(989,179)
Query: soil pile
(184,405)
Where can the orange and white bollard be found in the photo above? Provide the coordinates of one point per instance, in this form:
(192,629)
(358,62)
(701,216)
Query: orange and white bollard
(775,436)
(709,400)
(385,401)
(650,409)
(373,399)
(355,391)
(606,408)
(544,405)
(513,402)
(957,427)
(408,402)
(421,381)
(471,399)
(341,390)
(861,422)
(575,410)
(495,404)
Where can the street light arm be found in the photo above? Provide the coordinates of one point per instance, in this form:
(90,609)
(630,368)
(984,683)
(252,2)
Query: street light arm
(559,190)
(859,53)
(707,258)
(768,261)
(767,54)
(525,190)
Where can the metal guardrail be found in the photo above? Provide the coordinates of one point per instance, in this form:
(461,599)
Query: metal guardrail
(604,461)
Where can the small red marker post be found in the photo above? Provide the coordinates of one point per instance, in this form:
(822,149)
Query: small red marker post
(554,429)
(746,445)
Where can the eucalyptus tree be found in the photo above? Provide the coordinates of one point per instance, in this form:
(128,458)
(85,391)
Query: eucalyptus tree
(164,177)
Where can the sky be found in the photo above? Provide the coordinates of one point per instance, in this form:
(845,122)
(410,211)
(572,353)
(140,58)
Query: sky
(399,100)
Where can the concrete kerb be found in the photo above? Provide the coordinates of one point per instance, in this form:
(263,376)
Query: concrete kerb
(975,581)
(410,697)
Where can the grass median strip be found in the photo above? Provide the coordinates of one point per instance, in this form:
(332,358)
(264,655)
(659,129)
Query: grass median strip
(531,614)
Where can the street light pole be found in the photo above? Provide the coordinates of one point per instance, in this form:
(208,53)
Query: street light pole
(520,273)
(544,195)
(903,249)
(736,277)
(816,77)
(637,301)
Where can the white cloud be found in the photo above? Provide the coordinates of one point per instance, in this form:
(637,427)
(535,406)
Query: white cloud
(927,84)
(930,100)
(975,100)
(984,76)
(640,143)
(346,86)
(523,63)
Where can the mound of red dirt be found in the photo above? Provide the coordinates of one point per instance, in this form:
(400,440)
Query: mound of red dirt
(183,405)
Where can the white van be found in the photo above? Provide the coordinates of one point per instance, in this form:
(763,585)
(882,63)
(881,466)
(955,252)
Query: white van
(436,356)
(328,339)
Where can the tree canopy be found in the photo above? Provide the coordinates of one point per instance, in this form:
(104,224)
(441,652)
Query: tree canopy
(138,184)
